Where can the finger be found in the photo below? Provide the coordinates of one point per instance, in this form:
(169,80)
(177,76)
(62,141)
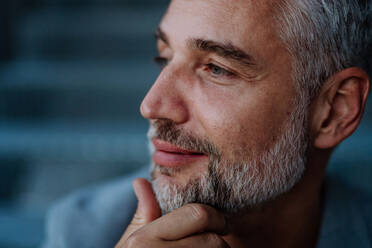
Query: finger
(147,209)
(205,240)
(188,220)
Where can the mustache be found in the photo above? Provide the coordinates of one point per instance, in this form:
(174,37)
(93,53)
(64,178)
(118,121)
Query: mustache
(167,130)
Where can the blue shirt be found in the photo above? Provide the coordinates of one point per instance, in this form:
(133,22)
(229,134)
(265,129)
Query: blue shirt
(97,217)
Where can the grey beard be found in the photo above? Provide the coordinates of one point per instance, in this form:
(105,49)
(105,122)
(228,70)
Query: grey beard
(232,186)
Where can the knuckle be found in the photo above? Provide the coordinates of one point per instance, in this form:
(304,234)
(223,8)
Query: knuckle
(137,220)
(134,240)
(216,240)
(199,213)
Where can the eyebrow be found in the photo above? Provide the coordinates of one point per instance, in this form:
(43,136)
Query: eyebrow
(224,50)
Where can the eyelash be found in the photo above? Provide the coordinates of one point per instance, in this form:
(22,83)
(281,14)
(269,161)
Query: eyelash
(162,62)
(224,72)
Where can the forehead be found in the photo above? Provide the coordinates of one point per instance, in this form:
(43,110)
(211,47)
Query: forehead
(224,11)
(244,23)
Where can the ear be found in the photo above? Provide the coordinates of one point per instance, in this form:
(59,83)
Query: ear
(336,112)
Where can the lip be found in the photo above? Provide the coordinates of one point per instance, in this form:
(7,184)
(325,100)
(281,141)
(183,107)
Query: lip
(169,155)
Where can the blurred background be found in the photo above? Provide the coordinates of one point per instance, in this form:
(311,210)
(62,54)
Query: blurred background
(72,76)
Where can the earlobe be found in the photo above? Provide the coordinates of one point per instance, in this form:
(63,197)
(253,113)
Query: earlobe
(340,107)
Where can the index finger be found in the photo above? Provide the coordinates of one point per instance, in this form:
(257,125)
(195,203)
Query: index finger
(187,220)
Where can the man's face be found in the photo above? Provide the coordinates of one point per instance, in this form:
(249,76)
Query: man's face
(223,104)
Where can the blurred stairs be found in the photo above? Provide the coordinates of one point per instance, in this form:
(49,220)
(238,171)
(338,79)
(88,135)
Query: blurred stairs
(72,76)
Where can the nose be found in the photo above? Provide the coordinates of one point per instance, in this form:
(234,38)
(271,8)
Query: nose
(165,99)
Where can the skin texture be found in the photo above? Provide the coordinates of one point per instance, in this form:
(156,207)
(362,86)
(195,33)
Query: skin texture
(242,113)
(255,103)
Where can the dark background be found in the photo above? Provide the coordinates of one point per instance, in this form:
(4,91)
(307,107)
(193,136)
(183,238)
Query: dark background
(72,76)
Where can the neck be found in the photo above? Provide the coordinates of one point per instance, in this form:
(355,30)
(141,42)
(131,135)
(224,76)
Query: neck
(291,220)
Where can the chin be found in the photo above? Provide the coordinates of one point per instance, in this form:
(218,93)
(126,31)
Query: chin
(165,176)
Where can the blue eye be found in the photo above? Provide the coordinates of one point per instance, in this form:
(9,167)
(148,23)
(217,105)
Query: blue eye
(218,71)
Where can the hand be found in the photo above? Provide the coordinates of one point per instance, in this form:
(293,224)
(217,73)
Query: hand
(193,225)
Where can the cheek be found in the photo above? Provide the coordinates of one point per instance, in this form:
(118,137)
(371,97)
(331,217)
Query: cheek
(239,123)
(233,126)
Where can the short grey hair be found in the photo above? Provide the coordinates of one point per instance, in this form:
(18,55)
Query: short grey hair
(324,37)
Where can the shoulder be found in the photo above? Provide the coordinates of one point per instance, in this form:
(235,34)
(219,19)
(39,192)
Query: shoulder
(92,217)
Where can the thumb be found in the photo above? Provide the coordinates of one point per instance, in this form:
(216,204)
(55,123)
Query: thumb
(147,209)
